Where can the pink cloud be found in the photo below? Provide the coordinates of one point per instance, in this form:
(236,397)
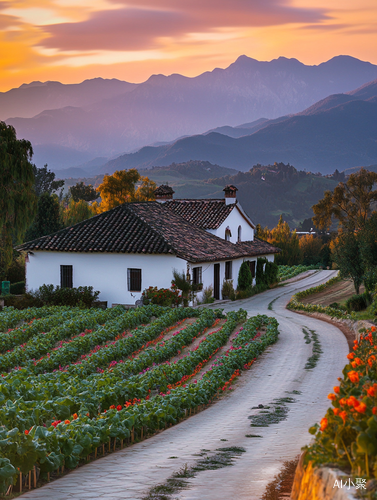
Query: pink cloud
(139,27)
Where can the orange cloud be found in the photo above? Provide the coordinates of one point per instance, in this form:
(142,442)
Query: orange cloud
(136,28)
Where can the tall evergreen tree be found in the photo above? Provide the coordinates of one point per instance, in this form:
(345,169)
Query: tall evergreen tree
(47,220)
(17,197)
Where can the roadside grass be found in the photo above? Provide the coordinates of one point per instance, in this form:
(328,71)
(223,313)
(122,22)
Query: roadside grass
(224,457)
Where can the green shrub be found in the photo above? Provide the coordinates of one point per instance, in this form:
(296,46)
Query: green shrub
(259,275)
(227,289)
(21,302)
(359,302)
(82,296)
(245,279)
(208,297)
(271,272)
(17,288)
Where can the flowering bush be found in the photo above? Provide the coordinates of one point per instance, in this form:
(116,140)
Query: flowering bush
(162,296)
(347,435)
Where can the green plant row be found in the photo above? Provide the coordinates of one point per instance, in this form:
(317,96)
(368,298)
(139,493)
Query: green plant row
(11,317)
(288,272)
(12,338)
(35,400)
(68,443)
(70,352)
(41,343)
(295,303)
(164,375)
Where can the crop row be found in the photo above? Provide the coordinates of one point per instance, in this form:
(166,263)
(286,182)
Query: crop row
(287,272)
(41,343)
(12,338)
(10,317)
(49,398)
(79,436)
(296,304)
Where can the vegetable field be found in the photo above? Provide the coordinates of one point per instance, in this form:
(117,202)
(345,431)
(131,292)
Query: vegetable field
(77,384)
(288,272)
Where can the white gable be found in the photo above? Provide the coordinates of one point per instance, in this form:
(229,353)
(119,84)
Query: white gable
(236,221)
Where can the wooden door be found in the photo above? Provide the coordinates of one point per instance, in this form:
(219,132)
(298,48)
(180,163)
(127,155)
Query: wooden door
(216,281)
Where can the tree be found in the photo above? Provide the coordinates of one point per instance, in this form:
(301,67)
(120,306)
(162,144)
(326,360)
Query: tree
(282,237)
(45,181)
(48,218)
(347,256)
(77,212)
(310,247)
(350,203)
(368,251)
(82,192)
(121,188)
(17,197)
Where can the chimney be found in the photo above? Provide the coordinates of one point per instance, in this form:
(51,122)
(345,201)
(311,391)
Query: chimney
(163,193)
(230,194)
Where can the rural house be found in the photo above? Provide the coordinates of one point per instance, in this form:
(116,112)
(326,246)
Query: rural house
(136,245)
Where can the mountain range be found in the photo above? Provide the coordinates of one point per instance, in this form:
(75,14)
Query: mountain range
(337,132)
(74,124)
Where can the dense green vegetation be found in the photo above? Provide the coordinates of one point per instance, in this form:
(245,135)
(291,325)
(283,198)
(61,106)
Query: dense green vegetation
(76,380)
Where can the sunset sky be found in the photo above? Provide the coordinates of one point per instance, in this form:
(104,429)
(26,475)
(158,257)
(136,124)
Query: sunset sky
(72,40)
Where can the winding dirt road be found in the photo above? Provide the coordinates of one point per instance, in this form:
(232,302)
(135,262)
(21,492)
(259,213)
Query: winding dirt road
(130,473)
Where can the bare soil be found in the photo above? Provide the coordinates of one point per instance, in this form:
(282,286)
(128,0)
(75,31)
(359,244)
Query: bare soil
(338,292)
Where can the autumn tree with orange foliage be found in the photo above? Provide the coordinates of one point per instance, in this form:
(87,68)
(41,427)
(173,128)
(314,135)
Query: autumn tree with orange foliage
(122,187)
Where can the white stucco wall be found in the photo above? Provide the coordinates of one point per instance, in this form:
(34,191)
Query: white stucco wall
(234,220)
(106,272)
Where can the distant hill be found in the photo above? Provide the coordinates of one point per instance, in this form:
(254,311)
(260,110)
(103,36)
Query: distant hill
(166,107)
(267,191)
(337,132)
(33,98)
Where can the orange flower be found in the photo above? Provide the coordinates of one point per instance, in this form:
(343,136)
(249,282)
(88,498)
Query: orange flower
(350,355)
(371,392)
(324,424)
(75,416)
(352,401)
(374,410)
(336,411)
(26,432)
(343,415)
(370,360)
(331,396)
(336,389)
(358,361)
(373,329)
(353,376)
(67,422)
(353,364)
(342,401)
(112,407)
(361,407)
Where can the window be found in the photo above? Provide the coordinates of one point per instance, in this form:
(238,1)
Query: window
(228,234)
(252,268)
(134,280)
(66,276)
(197,275)
(228,270)
(239,233)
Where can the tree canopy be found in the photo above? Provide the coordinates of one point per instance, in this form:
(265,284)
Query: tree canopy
(350,203)
(48,218)
(80,191)
(45,181)
(17,197)
(121,187)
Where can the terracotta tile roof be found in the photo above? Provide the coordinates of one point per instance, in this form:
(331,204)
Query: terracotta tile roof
(257,247)
(164,190)
(206,214)
(148,228)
